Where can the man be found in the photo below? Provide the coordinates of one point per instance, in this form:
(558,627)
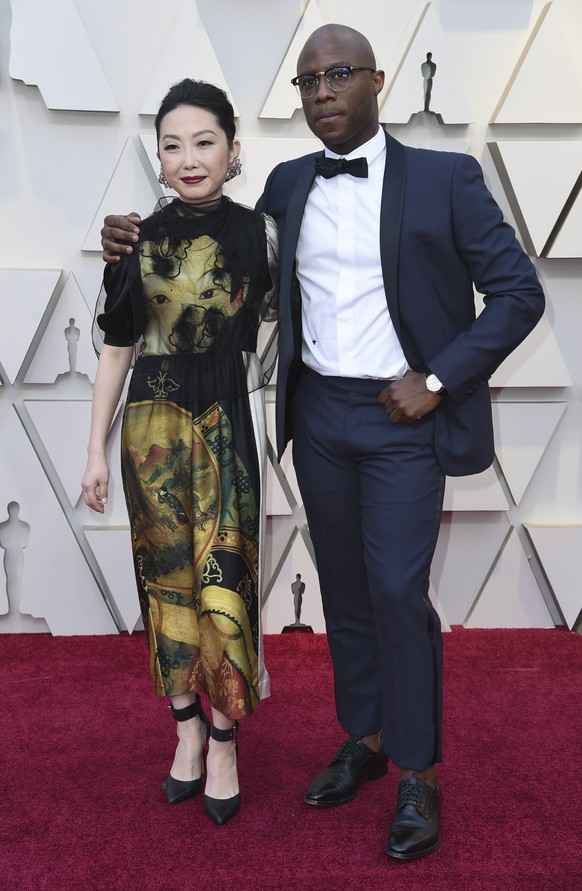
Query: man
(382,384)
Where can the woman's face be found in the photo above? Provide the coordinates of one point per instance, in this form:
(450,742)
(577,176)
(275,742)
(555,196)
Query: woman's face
(194,153)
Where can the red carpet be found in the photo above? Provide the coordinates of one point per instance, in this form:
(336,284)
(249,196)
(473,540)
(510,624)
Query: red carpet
(86,746)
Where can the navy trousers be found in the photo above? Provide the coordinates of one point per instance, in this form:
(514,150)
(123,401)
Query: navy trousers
(373,495)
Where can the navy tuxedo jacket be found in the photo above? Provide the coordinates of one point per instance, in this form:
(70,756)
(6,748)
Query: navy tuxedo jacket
(440,232)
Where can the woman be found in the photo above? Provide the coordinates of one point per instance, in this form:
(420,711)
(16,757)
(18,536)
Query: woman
(193,442)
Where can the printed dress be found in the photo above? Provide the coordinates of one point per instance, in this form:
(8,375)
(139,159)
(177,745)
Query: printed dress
(194,444)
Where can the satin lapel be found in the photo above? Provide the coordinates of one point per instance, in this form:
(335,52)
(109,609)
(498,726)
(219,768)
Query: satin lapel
(293,219)
(294,214)
(390,223)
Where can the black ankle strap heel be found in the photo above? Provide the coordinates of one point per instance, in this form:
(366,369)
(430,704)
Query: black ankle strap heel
(189,711)
(221,810)
(181,790)
(226,735)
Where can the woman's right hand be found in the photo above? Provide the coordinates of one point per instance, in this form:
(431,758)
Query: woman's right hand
(117,231)
(95,483)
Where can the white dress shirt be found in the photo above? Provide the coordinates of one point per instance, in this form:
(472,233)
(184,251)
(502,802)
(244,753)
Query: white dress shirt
(347,329)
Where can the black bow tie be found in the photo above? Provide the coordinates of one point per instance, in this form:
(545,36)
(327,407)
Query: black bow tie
(329,167)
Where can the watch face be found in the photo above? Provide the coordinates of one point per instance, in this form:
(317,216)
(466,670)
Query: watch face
(433,384)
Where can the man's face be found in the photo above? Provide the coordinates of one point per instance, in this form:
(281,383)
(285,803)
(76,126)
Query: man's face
(343,121)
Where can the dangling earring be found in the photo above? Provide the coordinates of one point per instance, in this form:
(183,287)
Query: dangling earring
(162,179)
(234,169)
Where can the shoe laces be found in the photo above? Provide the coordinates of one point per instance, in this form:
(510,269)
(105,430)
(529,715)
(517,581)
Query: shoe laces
(347,749)
(415,794)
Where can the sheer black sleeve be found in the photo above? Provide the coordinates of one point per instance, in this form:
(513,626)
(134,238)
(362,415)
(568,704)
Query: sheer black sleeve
(119,317)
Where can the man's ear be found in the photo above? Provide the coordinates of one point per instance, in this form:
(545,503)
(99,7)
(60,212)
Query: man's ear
(379,78)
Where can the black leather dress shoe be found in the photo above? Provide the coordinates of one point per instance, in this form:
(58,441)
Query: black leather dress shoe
(340,781)
(415,828)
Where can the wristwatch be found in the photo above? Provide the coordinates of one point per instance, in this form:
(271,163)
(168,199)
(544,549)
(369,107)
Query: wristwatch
(434,385)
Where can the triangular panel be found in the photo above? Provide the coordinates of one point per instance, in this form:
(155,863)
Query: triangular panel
(470,541)
(276,501)
(129,190)
(481,491)
(559,549)
(522,433)
(112,549)
(68,453)
(57,584)
(283,99)
(445,626)
(418,89)
(287,459)
(66,349)
(544,87)
(188,52)
(568,242)
(278,611)
(511,598)
(28,293)
(542,176)
(50,48)
(537,361)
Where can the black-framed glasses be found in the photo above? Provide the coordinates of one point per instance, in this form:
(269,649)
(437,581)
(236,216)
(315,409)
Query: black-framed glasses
(338,79)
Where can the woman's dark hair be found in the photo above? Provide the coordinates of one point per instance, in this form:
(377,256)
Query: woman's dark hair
(201,95)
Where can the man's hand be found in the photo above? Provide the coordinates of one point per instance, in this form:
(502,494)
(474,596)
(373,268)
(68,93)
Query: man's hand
(117,231)
(408,399)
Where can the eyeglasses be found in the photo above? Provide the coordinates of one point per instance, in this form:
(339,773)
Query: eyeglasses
(337,78)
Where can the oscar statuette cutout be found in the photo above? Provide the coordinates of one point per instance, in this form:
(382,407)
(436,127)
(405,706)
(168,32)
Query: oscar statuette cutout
(297,588)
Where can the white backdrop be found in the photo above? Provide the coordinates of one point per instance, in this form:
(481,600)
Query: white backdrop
(79,82)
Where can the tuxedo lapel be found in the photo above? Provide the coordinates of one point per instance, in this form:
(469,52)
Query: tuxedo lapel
(290,302)
(294,214)
(390,223)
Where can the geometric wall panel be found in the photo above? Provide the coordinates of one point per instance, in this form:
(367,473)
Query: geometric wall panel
(537,361)
(478,534)
(408,93)
(523,431)
(559,549)
(511,598)
(542,176)
(14,539)
(51,49)
(187,52)
(52,560)
(68,453)
(439,608)
(568,241)
(278,610)
(66,348)
(129,189)
(544,87)
(276,502)
(27,292)
(283,99)
(481,491)
(287,459)
(112,549)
